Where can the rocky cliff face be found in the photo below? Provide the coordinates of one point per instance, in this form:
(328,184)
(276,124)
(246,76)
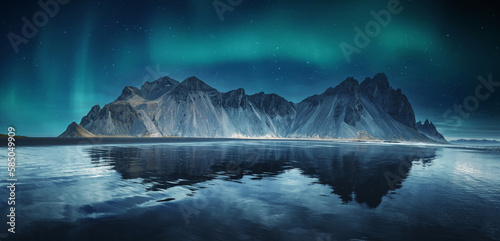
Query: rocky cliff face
(391,101)
(149,90)
(368,110)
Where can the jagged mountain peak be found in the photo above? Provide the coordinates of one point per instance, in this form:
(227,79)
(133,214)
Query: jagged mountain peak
(272,103)
(349,81)
(95,109)
(381,76)
(430,130)
(349,85)
(263,94)
(91,115)
(260,93)
(193,80)
(239,91)
(394,102)
(427,124)
(379,83)
(161,85)
(149,90)
(194,84)
(157,88)
(234,98)
(380,79)
(163,81)
(128,92)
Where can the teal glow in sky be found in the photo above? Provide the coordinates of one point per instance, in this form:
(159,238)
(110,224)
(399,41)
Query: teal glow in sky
(90,50)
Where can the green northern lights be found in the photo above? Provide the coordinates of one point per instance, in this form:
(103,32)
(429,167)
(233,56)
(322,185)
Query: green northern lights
(90,50)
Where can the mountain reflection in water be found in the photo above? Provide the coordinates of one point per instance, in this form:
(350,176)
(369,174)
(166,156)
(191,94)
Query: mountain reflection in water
(364,173)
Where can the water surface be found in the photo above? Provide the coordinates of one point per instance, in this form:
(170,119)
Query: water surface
(256,190)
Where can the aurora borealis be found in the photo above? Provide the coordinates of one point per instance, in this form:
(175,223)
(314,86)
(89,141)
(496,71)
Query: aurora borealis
(90,50)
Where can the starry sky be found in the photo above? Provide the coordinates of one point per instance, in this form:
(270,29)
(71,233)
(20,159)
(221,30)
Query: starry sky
(84,53)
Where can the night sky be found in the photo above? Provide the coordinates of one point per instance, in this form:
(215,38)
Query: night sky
(90,50)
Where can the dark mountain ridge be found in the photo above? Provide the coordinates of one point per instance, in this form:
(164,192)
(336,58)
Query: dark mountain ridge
(371,109)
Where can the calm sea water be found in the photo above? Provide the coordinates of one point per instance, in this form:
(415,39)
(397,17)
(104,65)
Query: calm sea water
(254,190)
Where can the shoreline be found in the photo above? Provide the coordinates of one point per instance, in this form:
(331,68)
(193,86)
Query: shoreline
(89,141)
(44,141)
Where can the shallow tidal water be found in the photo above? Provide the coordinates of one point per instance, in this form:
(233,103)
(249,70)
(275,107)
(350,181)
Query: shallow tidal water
(255,190)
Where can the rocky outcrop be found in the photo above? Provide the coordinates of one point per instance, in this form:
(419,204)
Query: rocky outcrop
(76,130)
(430,131)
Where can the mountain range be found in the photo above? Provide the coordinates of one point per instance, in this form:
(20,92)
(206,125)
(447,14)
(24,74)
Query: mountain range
(370,110)
(476,142)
